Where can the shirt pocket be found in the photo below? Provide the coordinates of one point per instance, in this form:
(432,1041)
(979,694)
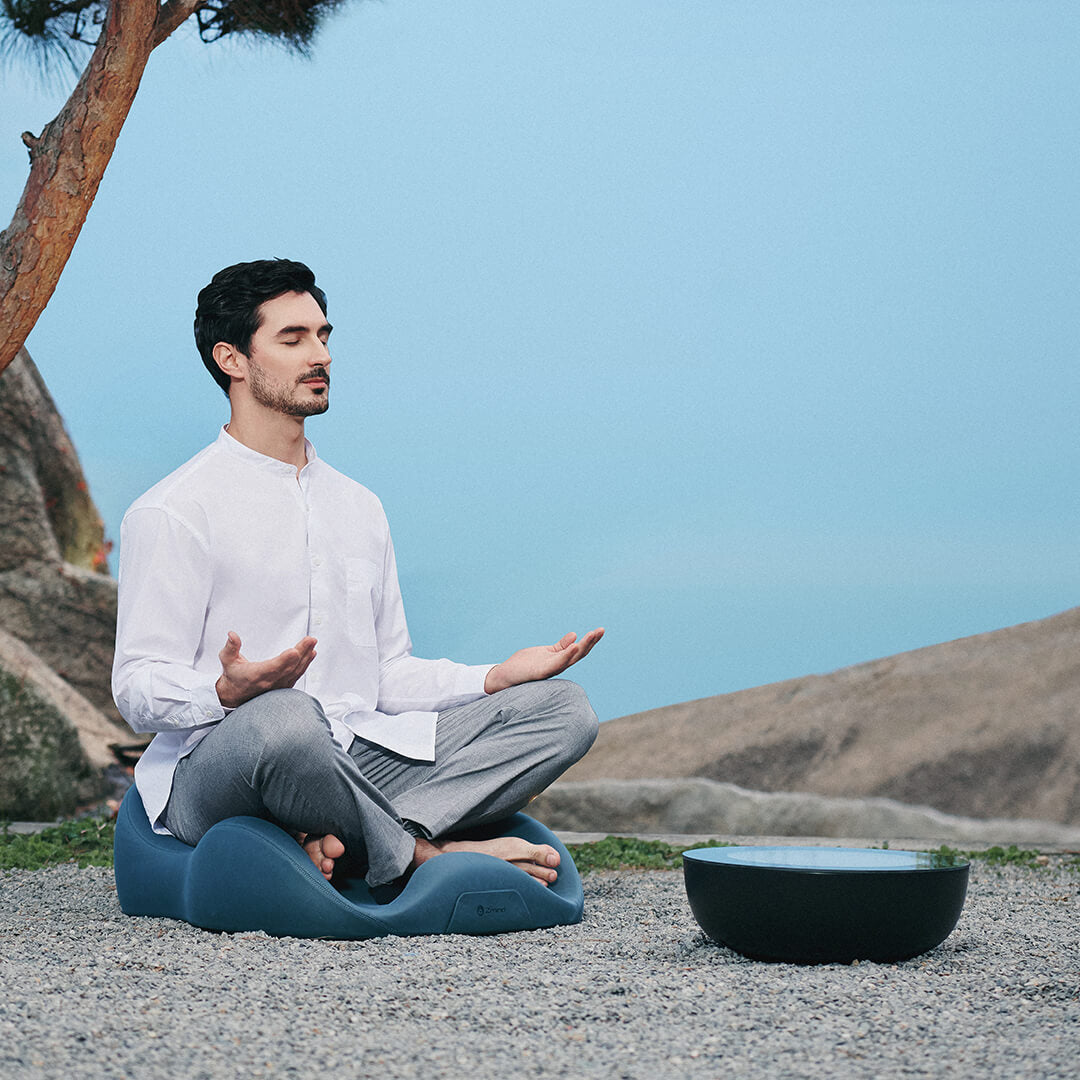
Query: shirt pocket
(362,588)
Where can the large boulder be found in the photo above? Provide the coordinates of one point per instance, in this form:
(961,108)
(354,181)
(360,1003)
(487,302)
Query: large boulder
(57,612)
(984,726)
(56,594)
(709,807)
(55,747)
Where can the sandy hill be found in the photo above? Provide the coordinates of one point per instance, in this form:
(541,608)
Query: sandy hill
(985,726)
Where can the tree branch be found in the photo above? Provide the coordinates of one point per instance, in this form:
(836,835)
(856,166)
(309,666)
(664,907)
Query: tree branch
(171,14)
(68,159)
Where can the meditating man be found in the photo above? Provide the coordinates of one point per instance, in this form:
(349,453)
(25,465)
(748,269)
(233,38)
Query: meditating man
(261,633)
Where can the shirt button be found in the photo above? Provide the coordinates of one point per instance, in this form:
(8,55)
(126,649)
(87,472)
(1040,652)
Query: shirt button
(318,620)
(316,561)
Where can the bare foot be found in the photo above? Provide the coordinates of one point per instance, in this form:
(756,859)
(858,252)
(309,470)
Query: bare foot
(323,851)
(538,860)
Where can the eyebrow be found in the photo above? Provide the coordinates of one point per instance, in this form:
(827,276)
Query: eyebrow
(303,330)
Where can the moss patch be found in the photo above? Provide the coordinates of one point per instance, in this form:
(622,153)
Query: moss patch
(44,772)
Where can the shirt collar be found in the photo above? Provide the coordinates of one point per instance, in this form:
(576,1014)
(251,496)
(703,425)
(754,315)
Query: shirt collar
(233,446)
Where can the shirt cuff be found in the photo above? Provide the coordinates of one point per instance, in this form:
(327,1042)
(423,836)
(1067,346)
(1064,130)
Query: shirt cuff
(479,673)
(205,702)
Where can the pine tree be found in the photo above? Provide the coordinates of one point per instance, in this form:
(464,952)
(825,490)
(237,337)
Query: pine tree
(68,158)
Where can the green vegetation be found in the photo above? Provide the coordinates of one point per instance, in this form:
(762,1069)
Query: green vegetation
(999,856)
(629,853)
(87,841)
(43,769)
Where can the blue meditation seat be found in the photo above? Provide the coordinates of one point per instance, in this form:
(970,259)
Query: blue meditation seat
(247,874)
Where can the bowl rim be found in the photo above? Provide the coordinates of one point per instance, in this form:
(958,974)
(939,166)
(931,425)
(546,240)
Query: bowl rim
(815,859)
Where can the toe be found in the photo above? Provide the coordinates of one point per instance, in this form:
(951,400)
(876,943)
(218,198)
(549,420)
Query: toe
(541,873)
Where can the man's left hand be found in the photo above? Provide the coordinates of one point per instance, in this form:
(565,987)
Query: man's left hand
(540,661)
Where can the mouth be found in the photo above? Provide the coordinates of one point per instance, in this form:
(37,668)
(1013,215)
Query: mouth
(316,382)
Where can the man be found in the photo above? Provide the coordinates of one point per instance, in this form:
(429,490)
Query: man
(325,722)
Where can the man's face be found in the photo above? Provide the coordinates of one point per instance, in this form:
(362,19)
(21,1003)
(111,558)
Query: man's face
(288,362)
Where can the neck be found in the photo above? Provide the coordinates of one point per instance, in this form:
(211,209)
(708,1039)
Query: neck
(271,433)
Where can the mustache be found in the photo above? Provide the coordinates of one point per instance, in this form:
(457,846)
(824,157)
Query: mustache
(316,373)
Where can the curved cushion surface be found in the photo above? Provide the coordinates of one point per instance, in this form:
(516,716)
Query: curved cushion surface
(248,874)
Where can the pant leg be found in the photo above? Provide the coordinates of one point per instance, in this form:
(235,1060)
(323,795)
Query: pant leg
(275,758)
(491,756)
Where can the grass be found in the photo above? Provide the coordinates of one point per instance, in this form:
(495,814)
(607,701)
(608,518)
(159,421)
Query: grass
(628,853)
(999,856)
(89,842)
(86,841)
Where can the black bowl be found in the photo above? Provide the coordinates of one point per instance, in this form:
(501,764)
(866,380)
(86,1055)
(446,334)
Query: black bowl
(816,905)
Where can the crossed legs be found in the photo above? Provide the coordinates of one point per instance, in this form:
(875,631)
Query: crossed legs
(274,757)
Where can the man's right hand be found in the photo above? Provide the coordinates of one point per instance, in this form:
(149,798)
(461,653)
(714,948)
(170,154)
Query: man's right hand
(243,679)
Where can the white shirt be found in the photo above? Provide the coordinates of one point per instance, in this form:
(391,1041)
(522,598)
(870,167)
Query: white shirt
(235,540)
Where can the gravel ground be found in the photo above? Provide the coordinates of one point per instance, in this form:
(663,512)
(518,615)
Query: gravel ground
(635,991)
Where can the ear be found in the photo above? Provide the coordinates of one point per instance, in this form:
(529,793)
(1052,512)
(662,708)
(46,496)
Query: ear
(231,360)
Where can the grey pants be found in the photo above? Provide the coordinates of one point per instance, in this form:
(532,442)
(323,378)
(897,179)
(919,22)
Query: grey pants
(274,758)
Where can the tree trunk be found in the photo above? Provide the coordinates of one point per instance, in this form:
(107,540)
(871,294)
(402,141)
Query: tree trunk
(67,162)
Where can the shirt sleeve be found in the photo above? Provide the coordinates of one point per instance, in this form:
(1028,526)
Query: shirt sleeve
(407,682)
(165,583)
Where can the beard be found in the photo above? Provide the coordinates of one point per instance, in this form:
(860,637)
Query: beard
(275,395)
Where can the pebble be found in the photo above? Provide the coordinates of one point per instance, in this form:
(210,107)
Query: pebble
(634,991)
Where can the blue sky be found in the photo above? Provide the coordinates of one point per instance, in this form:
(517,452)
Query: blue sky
(747,330)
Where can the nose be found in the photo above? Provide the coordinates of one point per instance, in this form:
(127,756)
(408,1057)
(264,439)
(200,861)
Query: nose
(320,355)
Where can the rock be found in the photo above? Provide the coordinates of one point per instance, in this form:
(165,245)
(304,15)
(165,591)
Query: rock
(57,613)
(56,594)
(982,727)
(54,745)
(699,806)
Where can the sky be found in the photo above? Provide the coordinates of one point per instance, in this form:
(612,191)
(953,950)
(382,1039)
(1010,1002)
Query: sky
(746,330)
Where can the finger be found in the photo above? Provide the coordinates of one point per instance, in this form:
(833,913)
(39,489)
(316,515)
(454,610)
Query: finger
(287,660)
(582,648)
(302,655)
(305,663)
(565,641)
(287,668)
(304,658)
(282,670)
(230,651)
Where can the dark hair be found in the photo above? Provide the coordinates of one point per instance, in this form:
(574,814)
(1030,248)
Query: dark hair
(228,308)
